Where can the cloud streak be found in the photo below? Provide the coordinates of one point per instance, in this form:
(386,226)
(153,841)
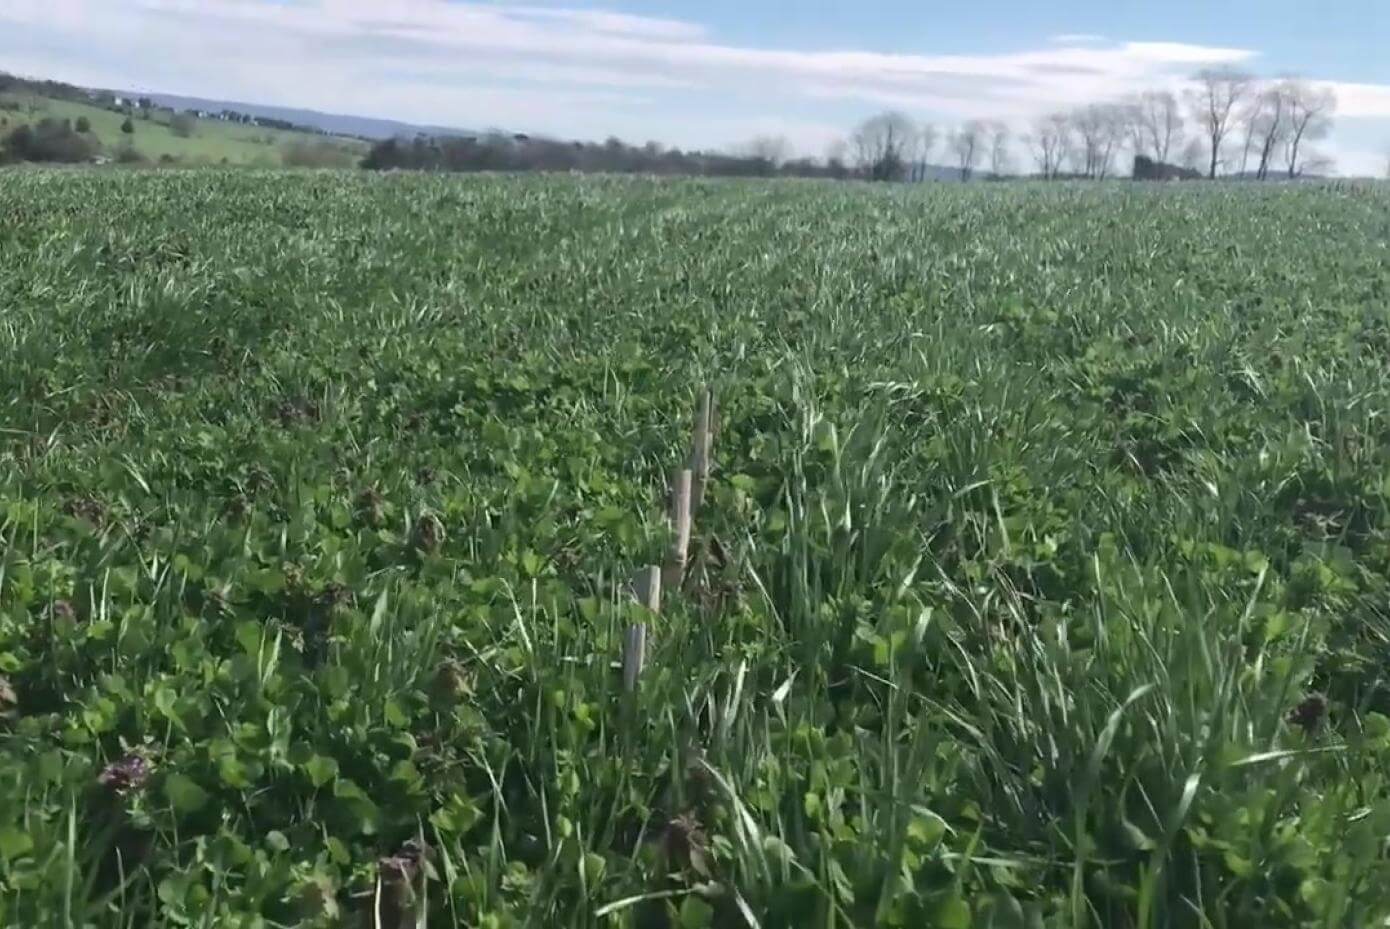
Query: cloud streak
(566,70)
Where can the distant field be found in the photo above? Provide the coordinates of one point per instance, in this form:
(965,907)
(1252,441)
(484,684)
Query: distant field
(1043,579)
(213,141)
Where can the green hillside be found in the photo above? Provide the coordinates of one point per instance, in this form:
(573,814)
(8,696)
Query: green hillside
(211,142)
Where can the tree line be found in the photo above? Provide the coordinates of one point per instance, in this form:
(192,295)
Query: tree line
(502,152)
(1227,122)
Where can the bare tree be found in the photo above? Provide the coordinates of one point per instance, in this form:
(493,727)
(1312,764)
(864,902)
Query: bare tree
(967,143)
(1264,117)
(1272,123)
(1050,142)
(882,145)
(927,137)
(1248,116)
(836,154)
(922,144)
(863,149)
(998,149)
(1310,111)
(1156,124)
(1100,129)
(1085,132)
(1135,133)
(1213,103)
(1192,154)
(773,149)
(1114,137)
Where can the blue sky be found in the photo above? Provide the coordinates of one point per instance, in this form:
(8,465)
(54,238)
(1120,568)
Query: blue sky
(1341,39)
(713,73)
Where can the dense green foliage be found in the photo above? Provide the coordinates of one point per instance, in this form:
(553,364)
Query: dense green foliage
(52,140)
(1043,579)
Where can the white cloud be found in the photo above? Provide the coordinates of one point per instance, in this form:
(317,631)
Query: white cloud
(1361,100)
(566,70)
(613,23)
(1360,163)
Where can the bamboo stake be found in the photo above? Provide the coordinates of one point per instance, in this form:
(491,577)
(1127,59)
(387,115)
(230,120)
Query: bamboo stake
(634,656)
(647,588)
(674,570)
(702,447)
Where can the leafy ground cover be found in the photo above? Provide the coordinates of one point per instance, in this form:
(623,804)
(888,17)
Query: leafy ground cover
(1042,580)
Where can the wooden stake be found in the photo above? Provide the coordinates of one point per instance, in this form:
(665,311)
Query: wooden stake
(634,656)
(702,447)
(646,586)
(674,570)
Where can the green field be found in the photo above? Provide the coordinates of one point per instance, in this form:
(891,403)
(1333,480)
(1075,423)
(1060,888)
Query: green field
(213,142)
(1043,578)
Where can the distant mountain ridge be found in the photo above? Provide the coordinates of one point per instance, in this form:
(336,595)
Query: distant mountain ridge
(366,127)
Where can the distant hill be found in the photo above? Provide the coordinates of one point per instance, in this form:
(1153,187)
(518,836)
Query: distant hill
(364,127)
(111,132)
(928,173)
(932,172)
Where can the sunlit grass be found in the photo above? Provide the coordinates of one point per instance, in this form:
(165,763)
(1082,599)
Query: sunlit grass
(1041,581)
